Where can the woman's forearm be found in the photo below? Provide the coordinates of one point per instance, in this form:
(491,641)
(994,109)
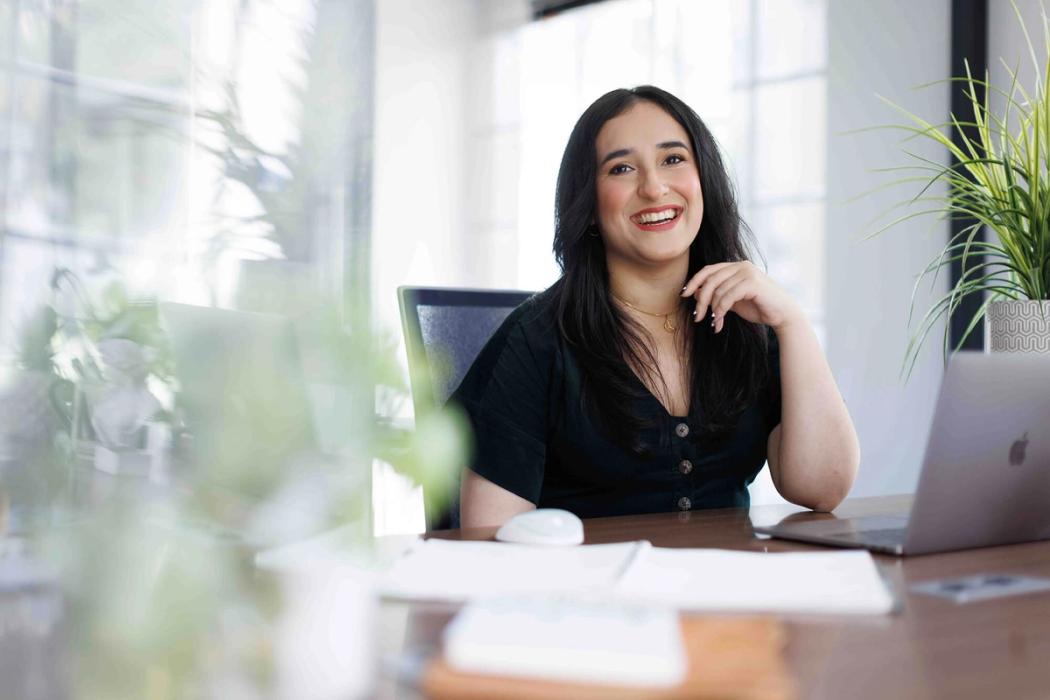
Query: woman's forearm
(818,452)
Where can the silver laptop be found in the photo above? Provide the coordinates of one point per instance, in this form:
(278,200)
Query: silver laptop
(986,472)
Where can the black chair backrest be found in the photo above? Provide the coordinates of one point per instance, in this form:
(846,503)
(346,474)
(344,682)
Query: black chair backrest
(445,329)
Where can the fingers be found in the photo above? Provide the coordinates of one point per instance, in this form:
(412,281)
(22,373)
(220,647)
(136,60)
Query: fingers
(709,285)
(726,296)
(698,279)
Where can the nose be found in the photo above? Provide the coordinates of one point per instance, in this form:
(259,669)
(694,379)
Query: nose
(651,185)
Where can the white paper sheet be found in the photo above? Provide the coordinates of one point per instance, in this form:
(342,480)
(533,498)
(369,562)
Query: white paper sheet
(837,582)
(458,571)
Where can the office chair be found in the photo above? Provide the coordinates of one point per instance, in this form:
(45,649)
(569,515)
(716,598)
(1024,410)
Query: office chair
(445,329)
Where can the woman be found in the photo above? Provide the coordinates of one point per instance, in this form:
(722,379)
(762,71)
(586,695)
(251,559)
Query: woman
(663,369)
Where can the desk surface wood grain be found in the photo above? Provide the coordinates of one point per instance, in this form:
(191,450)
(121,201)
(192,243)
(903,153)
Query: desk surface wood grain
(933,648)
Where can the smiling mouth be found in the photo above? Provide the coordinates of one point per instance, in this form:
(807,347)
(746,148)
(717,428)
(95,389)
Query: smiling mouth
(657,217)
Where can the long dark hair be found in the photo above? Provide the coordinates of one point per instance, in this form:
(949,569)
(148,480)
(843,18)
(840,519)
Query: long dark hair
(728,370)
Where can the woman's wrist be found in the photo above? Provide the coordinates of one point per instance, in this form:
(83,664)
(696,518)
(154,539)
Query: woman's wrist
(794,318)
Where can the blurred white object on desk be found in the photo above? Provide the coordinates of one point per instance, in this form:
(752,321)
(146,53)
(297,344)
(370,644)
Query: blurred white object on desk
(325,646)
(568,639)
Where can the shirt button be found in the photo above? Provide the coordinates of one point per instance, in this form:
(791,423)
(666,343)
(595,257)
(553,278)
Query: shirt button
(684,503)
(681,430)
(685,466)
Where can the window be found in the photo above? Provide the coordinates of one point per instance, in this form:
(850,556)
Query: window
(123,132)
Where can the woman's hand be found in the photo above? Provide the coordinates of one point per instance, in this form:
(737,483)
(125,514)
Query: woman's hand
(745,290)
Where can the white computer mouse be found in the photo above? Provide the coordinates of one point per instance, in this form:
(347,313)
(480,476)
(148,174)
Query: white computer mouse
(548,526)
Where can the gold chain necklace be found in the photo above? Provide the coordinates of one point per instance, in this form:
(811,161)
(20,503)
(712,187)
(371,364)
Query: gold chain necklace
(669,325)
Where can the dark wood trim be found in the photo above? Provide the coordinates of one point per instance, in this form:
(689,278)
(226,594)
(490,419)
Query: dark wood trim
(969,46)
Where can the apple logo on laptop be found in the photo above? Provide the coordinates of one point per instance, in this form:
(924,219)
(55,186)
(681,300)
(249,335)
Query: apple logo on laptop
(1017,450)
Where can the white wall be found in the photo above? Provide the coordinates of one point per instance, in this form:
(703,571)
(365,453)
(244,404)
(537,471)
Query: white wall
(886,47)
(446,91)
(1007,44)
(421,90)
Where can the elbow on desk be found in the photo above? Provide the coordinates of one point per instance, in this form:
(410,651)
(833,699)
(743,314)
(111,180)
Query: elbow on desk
(820,489)
(823,502)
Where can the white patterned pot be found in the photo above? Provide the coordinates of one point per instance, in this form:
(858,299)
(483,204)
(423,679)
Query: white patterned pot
(1018,326)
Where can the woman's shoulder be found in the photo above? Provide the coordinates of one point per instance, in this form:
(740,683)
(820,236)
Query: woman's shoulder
(535,315)
(523,346)
(530,321)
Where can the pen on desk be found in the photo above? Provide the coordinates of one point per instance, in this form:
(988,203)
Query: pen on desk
(636,553)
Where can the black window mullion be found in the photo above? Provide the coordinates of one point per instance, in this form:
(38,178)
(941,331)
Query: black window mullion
(969,46)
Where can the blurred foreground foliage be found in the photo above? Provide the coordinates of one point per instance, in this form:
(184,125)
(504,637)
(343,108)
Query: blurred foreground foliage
(164,597)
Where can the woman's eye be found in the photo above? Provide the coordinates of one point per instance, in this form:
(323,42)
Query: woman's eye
(674,159)
(619,169)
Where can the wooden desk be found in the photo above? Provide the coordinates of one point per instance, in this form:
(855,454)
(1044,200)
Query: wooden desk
(932,649)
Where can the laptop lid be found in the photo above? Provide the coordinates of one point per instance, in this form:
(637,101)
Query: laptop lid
(986,474)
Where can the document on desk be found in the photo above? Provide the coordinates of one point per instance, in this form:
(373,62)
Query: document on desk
(837,582)
(459,571)
(840,582)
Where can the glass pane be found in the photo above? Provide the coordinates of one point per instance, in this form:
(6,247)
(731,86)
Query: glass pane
(700,48)
(789,139)
(143,42)
(38,22)
(7,12)
(792,238)
(31,203)
(25,275)
(5,141)
(790,37)
(89,165)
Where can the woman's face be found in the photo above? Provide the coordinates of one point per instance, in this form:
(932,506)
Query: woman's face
(648,184)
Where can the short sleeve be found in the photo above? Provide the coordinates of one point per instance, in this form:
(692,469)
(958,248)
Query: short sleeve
(772,392)
(505,396)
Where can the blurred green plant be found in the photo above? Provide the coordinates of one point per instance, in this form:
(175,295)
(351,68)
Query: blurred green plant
(164,597)
(999,181)
(85,320)
(58,354)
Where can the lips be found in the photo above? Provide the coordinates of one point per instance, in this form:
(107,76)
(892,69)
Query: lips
(657,218)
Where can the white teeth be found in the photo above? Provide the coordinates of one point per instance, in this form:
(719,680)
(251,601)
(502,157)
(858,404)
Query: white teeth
(657,216)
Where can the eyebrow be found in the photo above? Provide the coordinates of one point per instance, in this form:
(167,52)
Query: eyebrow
(663,146)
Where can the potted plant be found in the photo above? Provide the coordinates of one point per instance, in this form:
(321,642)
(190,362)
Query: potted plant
(999,182)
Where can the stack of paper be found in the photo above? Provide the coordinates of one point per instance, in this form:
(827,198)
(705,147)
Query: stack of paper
(836,582)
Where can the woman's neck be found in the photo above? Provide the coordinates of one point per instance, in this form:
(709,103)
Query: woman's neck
(656,290)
